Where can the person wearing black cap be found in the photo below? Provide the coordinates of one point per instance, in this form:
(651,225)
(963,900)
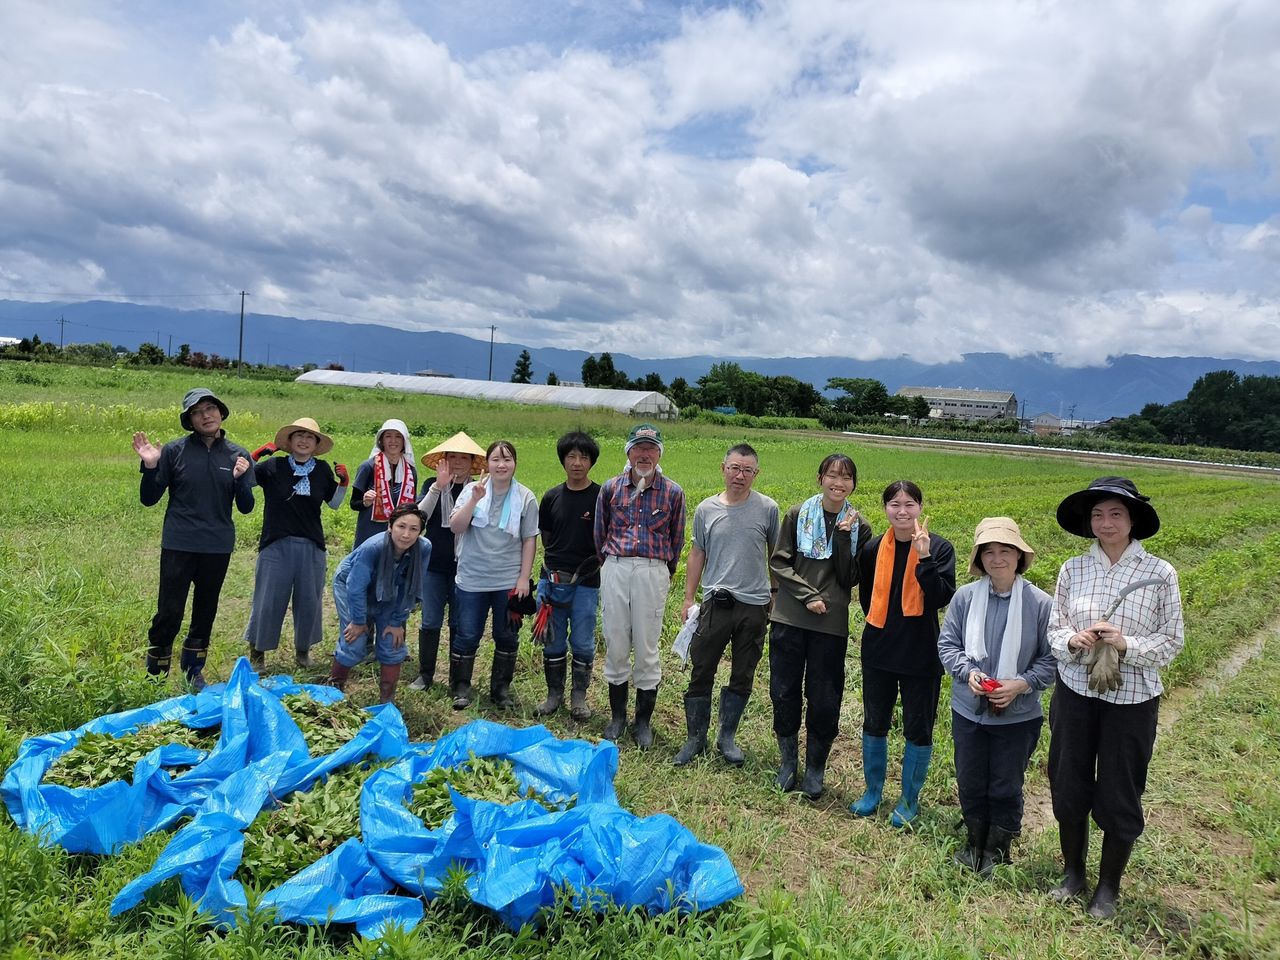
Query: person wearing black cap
(203,473)
(1117,619)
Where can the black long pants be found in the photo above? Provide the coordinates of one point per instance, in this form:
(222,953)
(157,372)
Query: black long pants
(1098,758)
(180,570)
(719,625)
(806,661)
(991,765)
(880,689)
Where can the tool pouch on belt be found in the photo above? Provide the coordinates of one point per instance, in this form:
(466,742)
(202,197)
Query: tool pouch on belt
(718,598)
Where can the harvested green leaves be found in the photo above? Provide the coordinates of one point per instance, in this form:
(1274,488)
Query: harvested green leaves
(480,778)
(326,726)
(101,758)
(305,827)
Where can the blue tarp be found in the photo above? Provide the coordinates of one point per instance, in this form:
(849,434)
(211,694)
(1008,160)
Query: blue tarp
(520,854)
(253,724)
(342,887)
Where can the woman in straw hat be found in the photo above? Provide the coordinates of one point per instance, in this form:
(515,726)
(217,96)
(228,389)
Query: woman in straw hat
(291,552)
(388,479)
(455,462)
(995,645)
(1117,619)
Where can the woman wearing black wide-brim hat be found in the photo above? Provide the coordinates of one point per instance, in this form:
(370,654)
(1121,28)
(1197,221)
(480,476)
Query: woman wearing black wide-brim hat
(1117,619)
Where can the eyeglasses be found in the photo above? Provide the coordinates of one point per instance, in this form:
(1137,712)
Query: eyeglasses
(737,470)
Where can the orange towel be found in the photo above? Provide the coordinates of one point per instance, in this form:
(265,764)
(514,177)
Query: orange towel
(912,595)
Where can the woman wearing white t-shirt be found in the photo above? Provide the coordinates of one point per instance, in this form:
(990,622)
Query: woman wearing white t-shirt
(496,525)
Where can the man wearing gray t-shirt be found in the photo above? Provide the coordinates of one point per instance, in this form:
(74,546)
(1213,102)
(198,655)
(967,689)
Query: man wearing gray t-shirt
(733,534)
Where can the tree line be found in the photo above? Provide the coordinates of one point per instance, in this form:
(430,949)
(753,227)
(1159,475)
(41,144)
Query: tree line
(1222,409)
(728,386)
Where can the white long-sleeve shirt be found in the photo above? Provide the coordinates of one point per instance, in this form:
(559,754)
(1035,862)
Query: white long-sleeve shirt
(1149,618)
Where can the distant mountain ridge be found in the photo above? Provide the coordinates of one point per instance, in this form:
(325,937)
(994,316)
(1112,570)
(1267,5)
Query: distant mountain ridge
(1120,388)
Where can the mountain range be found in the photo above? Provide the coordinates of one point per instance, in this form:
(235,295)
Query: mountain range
(1121,387)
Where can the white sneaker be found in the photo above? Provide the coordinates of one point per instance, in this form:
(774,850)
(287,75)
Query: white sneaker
(418,684)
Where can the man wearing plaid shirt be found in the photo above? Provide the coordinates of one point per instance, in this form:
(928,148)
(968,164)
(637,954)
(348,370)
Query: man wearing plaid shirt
(639,533)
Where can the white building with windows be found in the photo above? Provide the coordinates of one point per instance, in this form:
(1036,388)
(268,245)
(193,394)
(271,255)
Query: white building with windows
(958,403)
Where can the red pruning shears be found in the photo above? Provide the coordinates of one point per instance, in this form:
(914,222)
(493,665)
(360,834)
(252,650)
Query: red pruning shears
(542,624)
(991,685)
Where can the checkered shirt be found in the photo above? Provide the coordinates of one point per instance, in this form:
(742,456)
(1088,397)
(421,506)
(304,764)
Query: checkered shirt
(1150,619)
(650,524)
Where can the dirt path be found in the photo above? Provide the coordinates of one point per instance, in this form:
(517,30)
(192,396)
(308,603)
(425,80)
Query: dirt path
(1038,814)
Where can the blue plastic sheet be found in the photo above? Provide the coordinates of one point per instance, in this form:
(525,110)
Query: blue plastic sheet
(341,887)
(520,854)
(253,724)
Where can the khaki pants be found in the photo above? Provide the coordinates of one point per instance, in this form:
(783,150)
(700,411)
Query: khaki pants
(633,599)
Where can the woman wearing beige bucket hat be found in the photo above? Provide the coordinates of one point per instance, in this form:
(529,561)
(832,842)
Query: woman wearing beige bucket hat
(291,551)
(1117,620)
(455,462)
(995,645)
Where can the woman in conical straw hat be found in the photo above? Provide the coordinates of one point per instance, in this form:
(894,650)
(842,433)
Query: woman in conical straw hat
(291,551)
(455,462)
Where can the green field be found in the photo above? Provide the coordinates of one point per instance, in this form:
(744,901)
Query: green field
(78,557)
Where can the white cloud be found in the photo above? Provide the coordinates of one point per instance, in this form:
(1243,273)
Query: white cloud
(806,177)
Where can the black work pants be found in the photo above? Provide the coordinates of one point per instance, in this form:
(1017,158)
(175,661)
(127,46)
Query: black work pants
(812,663)
(880,691)
(1098,758)
(991,765)
(719,625)
(180,571)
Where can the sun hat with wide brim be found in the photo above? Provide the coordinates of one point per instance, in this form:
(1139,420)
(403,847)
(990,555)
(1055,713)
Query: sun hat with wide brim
(285,434)
(998,530)
(458,443)
(1074,511)
(194,396)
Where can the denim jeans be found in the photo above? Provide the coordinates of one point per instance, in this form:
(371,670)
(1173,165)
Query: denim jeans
(473,608)
(437,592)
(574,623)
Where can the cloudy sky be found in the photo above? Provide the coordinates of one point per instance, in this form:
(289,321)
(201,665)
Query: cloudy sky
(784,178)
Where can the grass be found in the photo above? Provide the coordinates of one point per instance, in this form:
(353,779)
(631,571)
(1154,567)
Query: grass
(78,559)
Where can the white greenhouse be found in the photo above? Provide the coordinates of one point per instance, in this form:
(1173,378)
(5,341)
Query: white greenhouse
(640,403)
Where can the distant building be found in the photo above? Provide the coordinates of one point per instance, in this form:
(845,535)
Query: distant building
(952,402)
(1049,425)
(431,373)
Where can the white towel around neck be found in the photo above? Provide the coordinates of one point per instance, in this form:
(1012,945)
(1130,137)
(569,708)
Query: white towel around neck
(975,629)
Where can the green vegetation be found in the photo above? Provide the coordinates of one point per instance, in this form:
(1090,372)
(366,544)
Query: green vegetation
(307,825)
(325,726)
(100,758)
(78,558)
(480,778)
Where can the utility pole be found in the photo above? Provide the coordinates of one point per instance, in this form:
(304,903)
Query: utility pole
(62,329)
(240,362)
(492,328)
(169,352)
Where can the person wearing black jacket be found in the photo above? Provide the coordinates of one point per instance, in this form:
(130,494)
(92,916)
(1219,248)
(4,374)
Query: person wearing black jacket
(906,576)
(203,473)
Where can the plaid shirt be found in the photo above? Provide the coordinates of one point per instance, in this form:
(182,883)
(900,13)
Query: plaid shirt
(650,524)
(1149,618)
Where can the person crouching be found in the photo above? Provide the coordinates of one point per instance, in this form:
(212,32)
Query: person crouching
(376,587)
